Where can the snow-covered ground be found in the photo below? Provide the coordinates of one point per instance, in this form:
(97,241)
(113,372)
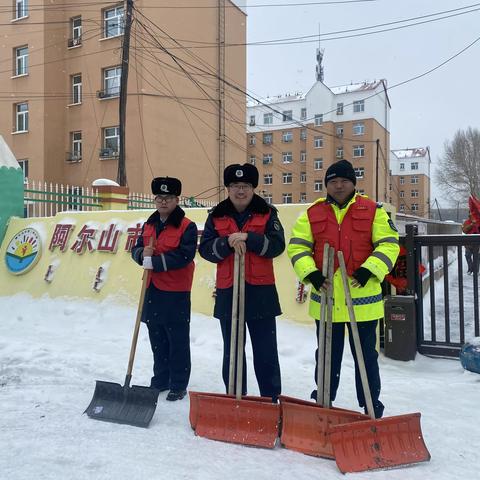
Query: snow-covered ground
(52,351)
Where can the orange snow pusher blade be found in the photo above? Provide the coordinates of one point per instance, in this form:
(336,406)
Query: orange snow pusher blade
(194,403)
(375,444)
(306,425)
(248,422)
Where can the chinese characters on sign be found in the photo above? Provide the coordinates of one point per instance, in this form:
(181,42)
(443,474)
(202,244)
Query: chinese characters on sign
(85,239)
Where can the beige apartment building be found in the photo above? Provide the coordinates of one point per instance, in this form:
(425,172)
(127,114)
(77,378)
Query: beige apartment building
(61,66)
(410,181)
(293,139)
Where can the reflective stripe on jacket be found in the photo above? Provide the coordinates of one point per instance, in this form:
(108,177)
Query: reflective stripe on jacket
(258,270)
(384,248)
(178,280)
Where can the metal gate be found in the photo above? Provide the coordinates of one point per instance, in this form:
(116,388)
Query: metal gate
(446,297)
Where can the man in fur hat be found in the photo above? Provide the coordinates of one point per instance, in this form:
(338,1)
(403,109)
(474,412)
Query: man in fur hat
(247,224)
(166,248)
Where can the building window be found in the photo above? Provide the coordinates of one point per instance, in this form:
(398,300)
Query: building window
(339,152)
(318,185)
(287,116)
(358,128)
(287,157)
(402,194)
(303,134)
(339,130)
(402,180)
(267,179)
(414,194)
(361,191)
(303,177)
(267,158)
(21,60)
(253,159)
(358,106)
(111,142)
(287,177)
(21,117)
(318,119)
(318,164)
(414,207)
(252,140)
(113,22)
(402,166)
(252,120)
(287,197)
(111,82)
(76,89)
(402,207)
(359,150)
(24,166)
(76,32)
(340,108)
(21,8)
(414,165)
(76,147)
(303,197)
(267,118)
(414,179)
(267,197)
(303,114)
(287,137)
(267,138)
(303,156)
(359,172)
(317,142)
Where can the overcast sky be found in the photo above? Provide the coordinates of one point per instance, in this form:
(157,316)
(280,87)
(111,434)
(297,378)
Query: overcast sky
(426,111)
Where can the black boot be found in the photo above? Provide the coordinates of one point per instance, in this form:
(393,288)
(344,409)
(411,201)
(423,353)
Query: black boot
(174,395)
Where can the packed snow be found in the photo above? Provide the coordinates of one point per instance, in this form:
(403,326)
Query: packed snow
(53,350)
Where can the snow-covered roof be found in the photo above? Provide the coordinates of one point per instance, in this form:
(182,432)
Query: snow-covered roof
(356,87)
(287,97)
(410,152)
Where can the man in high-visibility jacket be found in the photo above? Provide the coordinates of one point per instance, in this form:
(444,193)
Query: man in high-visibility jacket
(166,248)
(247,224)
(362,230)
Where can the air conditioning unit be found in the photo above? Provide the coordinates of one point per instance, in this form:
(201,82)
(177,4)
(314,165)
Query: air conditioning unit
(108,153)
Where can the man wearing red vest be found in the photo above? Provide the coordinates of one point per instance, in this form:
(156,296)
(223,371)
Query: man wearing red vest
(362,230)
(247,224)
(167,301)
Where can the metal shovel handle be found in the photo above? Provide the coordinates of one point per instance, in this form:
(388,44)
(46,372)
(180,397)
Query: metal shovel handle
(356,338)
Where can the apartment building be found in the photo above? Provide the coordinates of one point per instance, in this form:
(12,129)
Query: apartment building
(293,139)
(410,180)
(60,81)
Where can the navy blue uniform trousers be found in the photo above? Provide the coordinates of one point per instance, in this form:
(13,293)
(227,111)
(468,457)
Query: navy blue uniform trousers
(263,335)
(368,338)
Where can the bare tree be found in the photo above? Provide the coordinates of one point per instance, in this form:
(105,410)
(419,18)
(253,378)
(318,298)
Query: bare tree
(458,173)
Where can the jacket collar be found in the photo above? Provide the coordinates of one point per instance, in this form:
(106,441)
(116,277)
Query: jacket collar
(226,208)
(174,219)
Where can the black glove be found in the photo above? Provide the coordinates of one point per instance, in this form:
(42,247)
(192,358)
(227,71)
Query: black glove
(361,275)
(316,278)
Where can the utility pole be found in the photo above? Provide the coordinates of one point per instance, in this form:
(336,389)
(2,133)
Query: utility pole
(376,170)
(122,171)
(221,97)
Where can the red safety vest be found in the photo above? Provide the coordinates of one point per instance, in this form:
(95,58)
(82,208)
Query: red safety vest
(353,236)
(180,279)
(258,270)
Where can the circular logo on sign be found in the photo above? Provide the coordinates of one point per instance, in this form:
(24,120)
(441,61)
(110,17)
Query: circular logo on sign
(23,251)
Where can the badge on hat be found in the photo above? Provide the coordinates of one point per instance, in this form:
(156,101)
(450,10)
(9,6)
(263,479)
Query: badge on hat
(239,173)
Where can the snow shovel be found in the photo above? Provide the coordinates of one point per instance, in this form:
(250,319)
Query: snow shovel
(249,420)
(376,443)
(305,425)
(132,405)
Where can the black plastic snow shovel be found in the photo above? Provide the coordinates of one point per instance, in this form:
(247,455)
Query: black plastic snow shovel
(132,405)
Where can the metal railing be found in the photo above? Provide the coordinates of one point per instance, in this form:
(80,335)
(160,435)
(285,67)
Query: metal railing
(43,199)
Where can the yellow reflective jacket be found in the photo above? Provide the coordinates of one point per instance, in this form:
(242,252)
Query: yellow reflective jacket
(367,300)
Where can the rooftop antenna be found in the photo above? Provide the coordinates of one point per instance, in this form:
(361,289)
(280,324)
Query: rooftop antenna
(319,67)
